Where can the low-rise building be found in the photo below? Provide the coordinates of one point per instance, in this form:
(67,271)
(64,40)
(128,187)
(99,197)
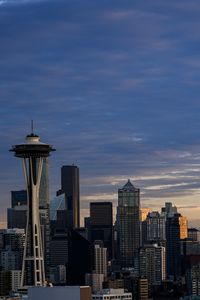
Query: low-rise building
(60,292)
(114,294)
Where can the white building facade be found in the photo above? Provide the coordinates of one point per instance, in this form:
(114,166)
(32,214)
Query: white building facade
(114,294)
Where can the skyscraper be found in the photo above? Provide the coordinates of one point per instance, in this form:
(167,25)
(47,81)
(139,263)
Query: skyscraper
(101,224)
(152,264)
(79,258)
(70,187)
(11,252)
(155,224)
(173,246)
(168,210)
(33,154)
(100,259)
(128,224)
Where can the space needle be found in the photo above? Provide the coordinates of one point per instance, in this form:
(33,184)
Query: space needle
(32,152)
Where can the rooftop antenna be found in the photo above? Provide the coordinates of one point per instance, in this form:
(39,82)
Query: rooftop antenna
(32,129)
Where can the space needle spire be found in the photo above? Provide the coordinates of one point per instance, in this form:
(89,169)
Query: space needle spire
(33,152)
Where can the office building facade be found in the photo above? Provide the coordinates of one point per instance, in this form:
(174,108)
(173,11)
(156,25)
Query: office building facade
(112,294)
(70,187)
(100,259)
(101,225)
(153,264)
(173,246)
(155,224)
(128,224)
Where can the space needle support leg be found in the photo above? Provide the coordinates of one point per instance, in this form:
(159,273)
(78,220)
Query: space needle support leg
(24,163)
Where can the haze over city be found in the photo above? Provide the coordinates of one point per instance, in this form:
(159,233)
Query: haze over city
(114,87)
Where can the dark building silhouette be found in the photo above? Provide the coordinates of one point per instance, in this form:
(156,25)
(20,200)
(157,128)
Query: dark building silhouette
(61,222)
(80,258)
(173,246)
(101,225)
(59,250)
(16,215)
(73,251)
(70,187)
(5,283)
(18,198)
(87,225)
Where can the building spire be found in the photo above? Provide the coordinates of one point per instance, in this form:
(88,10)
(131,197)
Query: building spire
(32,134)
(128,185)
(32,128)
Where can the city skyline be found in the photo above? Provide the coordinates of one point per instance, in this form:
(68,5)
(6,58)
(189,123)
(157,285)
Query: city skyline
(114,86)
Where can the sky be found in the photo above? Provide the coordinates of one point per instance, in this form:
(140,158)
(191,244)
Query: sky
(114,87)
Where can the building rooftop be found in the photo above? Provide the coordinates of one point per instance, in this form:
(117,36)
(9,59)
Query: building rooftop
(128,186)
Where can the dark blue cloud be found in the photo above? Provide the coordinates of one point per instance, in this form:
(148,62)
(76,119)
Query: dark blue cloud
(113,85)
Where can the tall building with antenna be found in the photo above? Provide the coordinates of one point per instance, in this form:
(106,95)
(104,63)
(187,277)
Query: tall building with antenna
(33,153)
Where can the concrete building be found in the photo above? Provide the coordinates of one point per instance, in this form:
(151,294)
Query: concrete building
(60,293)
(15,280)
(100,259)
(99,273)
(114,294)
(128,224)
(152,264)
(169,210)
(155,226)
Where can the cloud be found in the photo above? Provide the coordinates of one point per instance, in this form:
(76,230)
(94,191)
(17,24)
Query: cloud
(108,84)
(18,2)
